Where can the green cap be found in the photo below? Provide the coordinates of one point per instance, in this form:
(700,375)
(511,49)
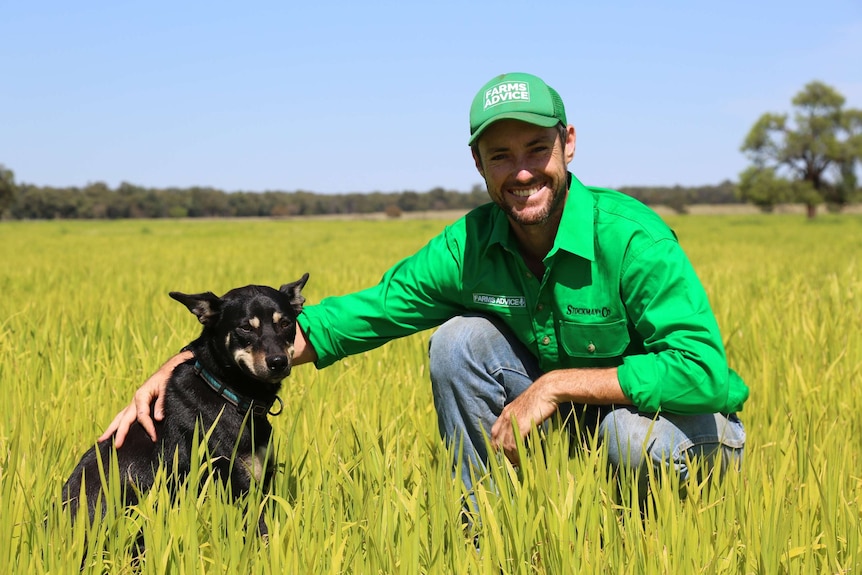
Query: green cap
(515,96)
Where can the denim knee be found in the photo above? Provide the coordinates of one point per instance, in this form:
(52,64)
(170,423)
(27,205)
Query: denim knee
(461,341)
(635,440)
(471,345)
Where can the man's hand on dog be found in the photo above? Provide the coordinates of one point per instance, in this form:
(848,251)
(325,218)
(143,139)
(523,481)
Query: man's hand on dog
(139,410)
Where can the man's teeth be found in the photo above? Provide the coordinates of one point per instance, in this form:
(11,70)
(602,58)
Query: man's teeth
(525,193)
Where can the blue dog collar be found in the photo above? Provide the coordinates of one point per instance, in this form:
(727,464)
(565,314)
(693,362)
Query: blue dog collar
(242,403)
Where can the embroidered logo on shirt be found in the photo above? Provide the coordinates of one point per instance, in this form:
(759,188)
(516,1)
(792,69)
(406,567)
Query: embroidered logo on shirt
(500,300)
(593,311)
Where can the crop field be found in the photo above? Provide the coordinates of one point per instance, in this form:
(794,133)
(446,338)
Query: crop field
(364,483)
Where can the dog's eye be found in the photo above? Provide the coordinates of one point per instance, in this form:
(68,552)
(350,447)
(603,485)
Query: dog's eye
(284,324)
(246,329)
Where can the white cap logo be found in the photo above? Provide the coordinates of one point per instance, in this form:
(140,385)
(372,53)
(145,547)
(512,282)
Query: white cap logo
(507,92)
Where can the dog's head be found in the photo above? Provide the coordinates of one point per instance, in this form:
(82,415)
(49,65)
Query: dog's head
(254,325)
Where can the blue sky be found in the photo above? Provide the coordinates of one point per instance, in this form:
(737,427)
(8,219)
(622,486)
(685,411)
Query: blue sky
(344,96)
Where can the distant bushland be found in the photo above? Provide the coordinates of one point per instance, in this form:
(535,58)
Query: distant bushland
(100,201)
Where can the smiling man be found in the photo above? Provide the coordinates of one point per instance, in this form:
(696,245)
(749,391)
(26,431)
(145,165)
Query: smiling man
(556,298)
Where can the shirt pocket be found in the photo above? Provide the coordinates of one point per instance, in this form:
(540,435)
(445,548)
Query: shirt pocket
(594,340)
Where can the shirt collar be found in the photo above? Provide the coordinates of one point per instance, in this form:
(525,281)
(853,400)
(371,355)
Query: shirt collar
(577,224)
(575,234)
(499,229)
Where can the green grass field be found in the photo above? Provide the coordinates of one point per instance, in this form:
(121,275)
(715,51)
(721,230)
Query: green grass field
(364,483)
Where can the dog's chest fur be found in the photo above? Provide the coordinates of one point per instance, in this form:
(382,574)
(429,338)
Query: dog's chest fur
(233,435)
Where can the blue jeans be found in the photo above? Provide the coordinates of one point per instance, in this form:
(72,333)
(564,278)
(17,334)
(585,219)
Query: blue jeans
(478,366)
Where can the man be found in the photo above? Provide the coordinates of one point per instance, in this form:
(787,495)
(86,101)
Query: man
(554,296)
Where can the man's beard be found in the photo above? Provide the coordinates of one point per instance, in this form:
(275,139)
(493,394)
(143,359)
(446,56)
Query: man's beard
(536,219)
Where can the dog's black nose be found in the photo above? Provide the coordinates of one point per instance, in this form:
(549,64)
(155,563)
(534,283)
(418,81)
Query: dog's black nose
(276,363)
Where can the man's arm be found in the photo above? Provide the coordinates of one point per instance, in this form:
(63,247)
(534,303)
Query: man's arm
(589,386)
(684,368)
(303,351)
(152,393)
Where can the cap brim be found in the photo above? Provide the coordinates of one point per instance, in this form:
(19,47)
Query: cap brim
(528,117)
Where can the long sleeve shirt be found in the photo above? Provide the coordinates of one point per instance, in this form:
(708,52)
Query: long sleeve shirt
(618,291)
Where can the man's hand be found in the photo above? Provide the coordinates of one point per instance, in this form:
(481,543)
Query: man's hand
(152,391)
(591,386)
(529,410)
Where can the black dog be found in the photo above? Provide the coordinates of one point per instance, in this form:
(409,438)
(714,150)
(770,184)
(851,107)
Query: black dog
(229,387)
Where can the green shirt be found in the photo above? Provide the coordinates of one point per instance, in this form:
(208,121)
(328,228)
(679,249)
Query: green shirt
(618,291)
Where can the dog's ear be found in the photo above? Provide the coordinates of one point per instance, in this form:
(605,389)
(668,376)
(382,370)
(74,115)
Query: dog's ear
(294,292)
(206,306)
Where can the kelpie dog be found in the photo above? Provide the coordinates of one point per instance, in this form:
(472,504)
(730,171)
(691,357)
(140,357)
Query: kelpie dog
(229,387)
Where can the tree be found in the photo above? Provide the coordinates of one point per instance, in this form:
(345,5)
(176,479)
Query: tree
(7,188)
(812,159)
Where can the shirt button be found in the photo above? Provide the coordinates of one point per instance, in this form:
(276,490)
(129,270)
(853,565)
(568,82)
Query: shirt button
(540,307)
(591,347)
(546,340)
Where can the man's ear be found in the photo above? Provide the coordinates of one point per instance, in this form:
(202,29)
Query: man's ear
(571,138)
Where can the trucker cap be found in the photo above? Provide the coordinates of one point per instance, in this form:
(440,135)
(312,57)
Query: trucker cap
(515,96)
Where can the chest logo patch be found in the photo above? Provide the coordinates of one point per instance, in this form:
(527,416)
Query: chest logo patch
(500,300)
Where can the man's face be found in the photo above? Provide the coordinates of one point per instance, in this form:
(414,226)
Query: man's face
(524,167)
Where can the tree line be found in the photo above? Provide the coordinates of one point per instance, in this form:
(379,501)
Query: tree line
(99,201)
(812,158)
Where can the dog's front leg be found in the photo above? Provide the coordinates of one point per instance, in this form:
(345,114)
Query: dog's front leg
(253,469)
